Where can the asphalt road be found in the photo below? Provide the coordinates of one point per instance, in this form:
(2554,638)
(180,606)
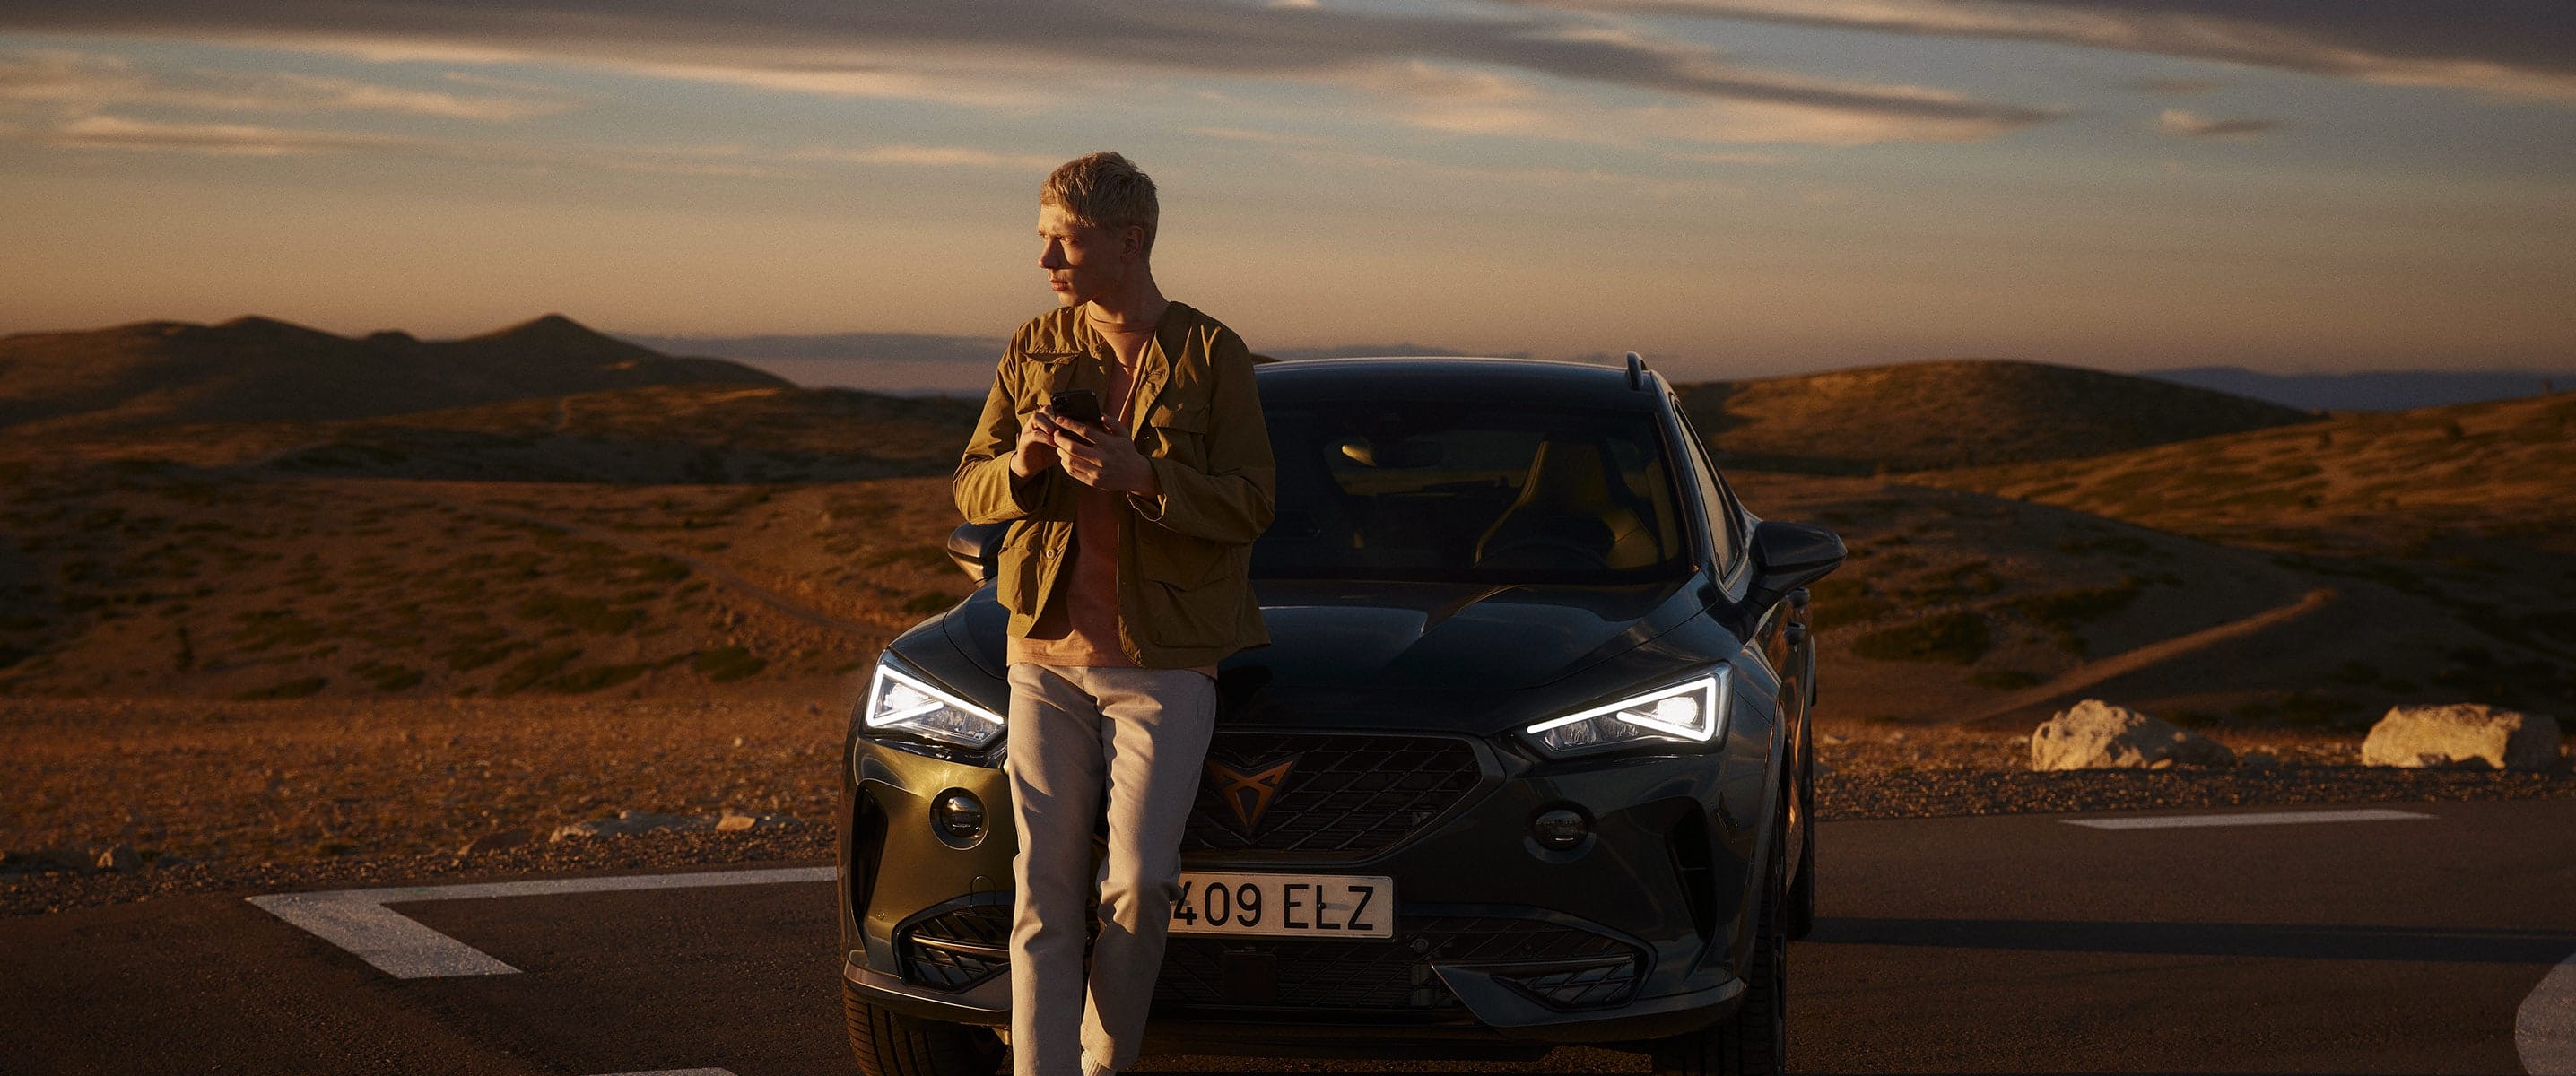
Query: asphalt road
(1964,945)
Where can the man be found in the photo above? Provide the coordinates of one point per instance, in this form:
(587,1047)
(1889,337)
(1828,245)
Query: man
(1124,571)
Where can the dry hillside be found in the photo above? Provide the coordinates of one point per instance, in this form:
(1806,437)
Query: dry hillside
(319,631)
(1957,606)
(685,434)
(1929,415)
(256,369)
(2371,483)
(137,579)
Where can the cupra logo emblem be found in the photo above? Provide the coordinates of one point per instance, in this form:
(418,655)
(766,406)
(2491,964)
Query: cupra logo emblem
(1247,792)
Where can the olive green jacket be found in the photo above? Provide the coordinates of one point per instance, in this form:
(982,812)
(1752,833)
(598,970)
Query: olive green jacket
(1184,558)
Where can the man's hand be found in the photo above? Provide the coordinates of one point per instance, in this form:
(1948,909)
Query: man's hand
(1036,450)
(1110,462)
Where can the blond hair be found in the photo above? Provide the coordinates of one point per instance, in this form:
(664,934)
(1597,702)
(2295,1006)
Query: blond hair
(1104,190)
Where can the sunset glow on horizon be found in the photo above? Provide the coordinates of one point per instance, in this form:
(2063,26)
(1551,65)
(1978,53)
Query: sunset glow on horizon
(1735,187)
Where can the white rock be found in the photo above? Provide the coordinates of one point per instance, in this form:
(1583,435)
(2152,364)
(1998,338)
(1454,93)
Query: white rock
(735,821)
(2462,734)
(2096,735)
(117,857)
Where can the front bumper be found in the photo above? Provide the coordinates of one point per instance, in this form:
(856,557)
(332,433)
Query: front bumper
(1502,947)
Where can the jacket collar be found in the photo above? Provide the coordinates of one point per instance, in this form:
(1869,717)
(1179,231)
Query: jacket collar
(1153,368)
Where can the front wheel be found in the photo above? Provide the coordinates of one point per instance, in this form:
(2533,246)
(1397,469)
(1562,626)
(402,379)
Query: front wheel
(889,1043)
(1754,1041)
(1801,917)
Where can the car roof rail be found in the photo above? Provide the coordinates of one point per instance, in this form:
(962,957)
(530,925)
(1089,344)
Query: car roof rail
(1636,371)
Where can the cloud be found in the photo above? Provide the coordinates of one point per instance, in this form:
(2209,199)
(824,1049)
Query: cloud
(86,83)
(2184,124)
(1239,134)
(2176,85)
(119,133)
(1464,178)
(901,48)
(2503,48)
(930,157)
(232,139)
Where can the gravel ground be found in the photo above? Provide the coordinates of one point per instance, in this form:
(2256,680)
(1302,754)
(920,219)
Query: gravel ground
(805,844)
(1868,772)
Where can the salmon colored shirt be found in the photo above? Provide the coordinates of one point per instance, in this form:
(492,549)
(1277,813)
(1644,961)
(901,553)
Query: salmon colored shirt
(1080,628)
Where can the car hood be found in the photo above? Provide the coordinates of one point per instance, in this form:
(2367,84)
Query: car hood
(1434,636)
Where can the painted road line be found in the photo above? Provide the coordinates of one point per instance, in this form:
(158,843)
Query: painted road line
(2544,1029)
(358,921)
(2251,818)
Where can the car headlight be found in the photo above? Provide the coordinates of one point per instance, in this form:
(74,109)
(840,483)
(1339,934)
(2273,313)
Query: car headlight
(1693,712)
(900,702)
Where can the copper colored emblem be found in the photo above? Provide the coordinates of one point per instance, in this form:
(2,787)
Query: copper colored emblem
(1248,792)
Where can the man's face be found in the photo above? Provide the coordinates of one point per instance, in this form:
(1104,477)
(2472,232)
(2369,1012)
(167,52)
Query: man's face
(1082,261)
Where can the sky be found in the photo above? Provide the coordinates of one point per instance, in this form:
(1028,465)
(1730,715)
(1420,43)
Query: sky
(1733,187)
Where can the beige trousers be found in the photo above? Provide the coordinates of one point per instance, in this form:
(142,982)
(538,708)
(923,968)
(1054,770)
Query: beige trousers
(1139,736)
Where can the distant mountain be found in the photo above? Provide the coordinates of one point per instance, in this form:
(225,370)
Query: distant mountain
(159,373)
(917,363)
(1957,413)
(877,362)
(2391,390)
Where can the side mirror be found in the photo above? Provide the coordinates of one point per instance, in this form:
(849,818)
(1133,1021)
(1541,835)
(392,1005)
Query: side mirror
(1787,556)
(977,549)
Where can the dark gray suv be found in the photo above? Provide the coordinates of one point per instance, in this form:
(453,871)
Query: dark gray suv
(1526,763)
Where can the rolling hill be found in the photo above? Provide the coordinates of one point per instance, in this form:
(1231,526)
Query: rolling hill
(596,540)
(1959,413)
(254,369)
(2372,390)
(2365,483)
(676,434)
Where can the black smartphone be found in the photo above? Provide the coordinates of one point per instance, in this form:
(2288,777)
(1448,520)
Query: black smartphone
(1080,405)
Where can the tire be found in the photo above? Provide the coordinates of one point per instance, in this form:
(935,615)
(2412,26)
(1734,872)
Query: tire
(1754,1041)
(1800,916)
(889,1043)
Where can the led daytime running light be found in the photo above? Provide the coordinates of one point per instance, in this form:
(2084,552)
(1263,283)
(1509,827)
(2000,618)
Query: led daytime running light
(899,702)
(1693,712)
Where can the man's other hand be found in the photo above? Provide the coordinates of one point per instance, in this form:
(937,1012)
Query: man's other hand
(1109,462)
(1036,450)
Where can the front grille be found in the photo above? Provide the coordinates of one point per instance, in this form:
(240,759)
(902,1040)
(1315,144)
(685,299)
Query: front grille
(958,948)
(1350,795)
(1561,966)
(1581,987)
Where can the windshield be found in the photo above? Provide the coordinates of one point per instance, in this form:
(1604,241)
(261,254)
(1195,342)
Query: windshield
(1430,491)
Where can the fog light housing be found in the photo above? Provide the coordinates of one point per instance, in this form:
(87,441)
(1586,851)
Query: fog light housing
(1560,829)
(957,817)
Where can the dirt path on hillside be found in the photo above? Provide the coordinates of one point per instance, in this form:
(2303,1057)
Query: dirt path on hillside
(2095,672)
(713,570)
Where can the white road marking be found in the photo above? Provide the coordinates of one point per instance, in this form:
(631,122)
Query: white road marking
(358,921)
(2250,818)
(2544,1029)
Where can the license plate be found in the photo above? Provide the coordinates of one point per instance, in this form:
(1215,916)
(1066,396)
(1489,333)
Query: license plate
(1285,905)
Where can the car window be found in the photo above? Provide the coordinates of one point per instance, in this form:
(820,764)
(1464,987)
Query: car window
(1724,521)
(1440,491)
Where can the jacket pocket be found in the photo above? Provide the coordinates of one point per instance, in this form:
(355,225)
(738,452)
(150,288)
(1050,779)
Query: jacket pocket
(1192,594)
(1179,430)
(1017,574)
(1180,559)
(1193,617)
